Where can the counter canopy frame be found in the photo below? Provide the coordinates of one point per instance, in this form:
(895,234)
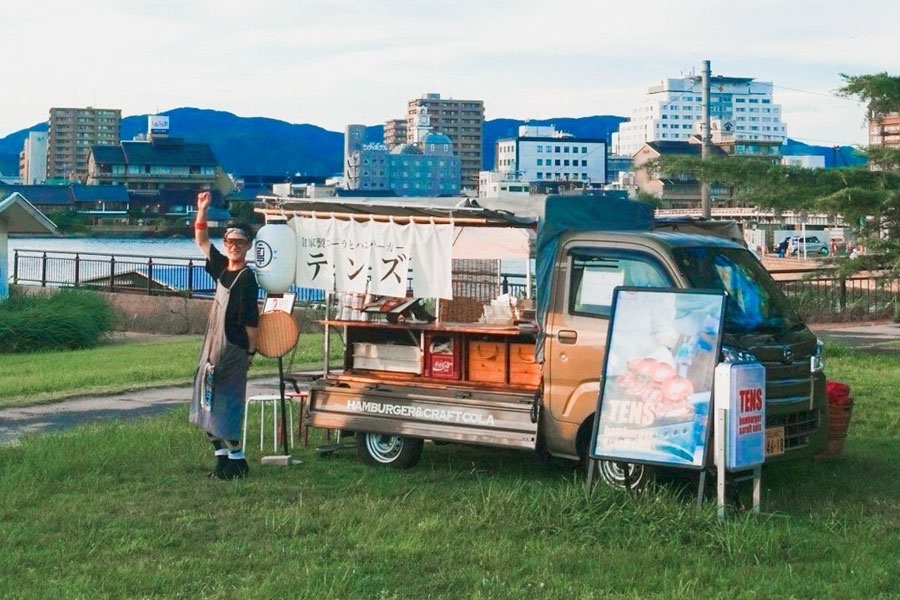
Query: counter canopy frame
(452,211)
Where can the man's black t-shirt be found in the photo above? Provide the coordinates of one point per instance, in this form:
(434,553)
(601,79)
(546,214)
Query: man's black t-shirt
(242,310)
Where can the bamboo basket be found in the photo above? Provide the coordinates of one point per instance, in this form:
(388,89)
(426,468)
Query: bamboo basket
(838,425)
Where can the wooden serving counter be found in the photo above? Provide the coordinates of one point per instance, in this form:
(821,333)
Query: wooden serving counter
(526,329)
(472,354)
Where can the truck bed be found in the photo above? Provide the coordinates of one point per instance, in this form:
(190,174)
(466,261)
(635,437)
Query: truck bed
(498,415)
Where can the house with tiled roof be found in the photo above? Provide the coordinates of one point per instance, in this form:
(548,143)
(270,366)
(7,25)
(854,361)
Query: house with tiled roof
(672,192)
(145,166)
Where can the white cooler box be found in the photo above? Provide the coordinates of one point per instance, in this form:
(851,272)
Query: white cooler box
(387,357)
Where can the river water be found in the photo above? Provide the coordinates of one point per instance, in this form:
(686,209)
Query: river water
(168,247)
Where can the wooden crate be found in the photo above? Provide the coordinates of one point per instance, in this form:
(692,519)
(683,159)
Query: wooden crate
(523,367)
(487,361)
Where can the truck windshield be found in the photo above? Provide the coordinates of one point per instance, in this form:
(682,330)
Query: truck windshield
(755,302)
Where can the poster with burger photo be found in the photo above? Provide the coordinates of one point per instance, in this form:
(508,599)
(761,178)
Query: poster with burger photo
(662,350)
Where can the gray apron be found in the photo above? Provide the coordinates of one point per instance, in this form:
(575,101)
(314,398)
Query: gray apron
(220,384)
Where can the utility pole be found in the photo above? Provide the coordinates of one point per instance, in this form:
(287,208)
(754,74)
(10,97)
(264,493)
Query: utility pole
(706,140)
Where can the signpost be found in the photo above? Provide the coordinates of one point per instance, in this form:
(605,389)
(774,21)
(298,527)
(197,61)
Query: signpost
(740,426)
(656,393)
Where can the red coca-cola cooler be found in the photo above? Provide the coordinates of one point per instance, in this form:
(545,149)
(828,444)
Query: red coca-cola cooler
(443,356)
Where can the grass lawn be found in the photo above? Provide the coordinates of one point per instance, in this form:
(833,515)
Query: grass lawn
(27,379)
(125,511)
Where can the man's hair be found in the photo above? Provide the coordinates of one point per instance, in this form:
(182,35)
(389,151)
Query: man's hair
(245,227)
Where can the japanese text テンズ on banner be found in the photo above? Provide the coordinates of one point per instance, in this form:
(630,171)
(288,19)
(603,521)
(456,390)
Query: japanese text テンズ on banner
(373,256)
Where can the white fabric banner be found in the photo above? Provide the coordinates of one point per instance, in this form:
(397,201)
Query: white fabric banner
(373,257)
(352,245)
(315,253)
(391,250)
(432,260)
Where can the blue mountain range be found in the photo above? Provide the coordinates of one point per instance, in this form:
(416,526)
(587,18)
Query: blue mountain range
(262,146)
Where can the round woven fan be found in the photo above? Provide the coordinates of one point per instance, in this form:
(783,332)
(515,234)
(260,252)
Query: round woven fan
(278,334)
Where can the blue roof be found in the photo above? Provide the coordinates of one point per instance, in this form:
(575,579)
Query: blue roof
(98,193)
(169,151)
(43,195)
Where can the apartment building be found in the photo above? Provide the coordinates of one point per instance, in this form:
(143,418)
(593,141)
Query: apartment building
(73,131)
(885,130)
(395,132)
(461,120)
(672,111)
(33,159)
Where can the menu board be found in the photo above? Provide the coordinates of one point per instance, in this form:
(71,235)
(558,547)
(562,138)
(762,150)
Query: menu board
(658,374)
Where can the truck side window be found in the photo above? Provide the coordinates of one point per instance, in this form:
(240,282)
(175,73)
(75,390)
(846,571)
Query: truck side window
(596,273)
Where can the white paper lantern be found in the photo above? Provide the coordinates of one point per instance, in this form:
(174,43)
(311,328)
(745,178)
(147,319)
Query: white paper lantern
(275,250)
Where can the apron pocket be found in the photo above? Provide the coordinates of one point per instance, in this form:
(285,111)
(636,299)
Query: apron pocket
(209,386)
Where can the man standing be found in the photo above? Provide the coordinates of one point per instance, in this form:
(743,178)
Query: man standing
(782,247)
(220,384)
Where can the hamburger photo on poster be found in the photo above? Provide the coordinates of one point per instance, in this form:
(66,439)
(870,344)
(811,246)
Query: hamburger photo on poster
(659,373)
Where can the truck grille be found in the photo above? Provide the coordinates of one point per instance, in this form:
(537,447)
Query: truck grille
(798,427)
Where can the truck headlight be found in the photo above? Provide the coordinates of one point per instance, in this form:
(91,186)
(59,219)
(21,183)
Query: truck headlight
(817,360)
(734,355)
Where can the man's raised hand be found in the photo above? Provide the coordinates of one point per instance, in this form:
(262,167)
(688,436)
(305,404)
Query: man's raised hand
(203,200)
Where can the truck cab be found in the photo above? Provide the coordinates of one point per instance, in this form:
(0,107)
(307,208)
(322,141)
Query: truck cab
(759,323)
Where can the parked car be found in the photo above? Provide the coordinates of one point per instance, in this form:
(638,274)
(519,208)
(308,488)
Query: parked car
(813,245)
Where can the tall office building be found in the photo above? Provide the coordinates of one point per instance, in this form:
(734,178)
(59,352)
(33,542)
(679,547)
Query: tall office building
(72,133)
(671,112)
(33,158)
(461,120)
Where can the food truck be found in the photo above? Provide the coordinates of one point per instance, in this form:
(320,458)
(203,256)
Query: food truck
(479,367)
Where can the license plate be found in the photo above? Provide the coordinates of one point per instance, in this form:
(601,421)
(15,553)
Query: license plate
(774,441)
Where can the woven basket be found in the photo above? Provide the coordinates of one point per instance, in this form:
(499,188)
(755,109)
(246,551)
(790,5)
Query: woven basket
(838,425)
(278,334)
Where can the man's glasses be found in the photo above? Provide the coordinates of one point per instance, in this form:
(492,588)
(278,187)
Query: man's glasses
(233,242)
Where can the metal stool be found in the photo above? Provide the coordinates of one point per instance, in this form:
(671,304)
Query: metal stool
(262,400)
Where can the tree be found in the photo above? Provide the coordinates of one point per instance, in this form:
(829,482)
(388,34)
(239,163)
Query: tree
(881,93)
(867,199)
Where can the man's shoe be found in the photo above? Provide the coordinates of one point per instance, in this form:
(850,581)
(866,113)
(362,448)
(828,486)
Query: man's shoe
(234,469)
(219,471)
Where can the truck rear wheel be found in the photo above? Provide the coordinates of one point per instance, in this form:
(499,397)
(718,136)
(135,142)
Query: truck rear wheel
(613,474)
(391,450)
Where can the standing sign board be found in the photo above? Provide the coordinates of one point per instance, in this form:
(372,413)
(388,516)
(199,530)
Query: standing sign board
(741,389)
(662,350)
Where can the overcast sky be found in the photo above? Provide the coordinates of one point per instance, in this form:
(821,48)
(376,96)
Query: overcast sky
(334,62)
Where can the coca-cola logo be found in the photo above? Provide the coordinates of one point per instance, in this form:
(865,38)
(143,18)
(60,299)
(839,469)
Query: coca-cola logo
(442,366)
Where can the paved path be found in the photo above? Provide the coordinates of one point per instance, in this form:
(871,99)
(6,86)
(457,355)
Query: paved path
(17,422)
(878,338)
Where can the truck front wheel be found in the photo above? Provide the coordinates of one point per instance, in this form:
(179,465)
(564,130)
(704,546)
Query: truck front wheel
(613,474)
(391,450)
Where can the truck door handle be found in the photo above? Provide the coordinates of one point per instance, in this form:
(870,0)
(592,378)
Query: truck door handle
(567,336)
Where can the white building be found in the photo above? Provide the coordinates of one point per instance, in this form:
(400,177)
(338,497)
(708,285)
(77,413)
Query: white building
(671,111)
(807,161)
(33,159)
(541,153)
(492,184)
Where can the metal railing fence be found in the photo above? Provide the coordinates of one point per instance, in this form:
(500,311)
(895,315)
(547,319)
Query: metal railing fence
(816,298)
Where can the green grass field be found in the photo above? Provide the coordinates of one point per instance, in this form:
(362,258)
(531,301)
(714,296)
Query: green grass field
(125,511)
(118,366)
